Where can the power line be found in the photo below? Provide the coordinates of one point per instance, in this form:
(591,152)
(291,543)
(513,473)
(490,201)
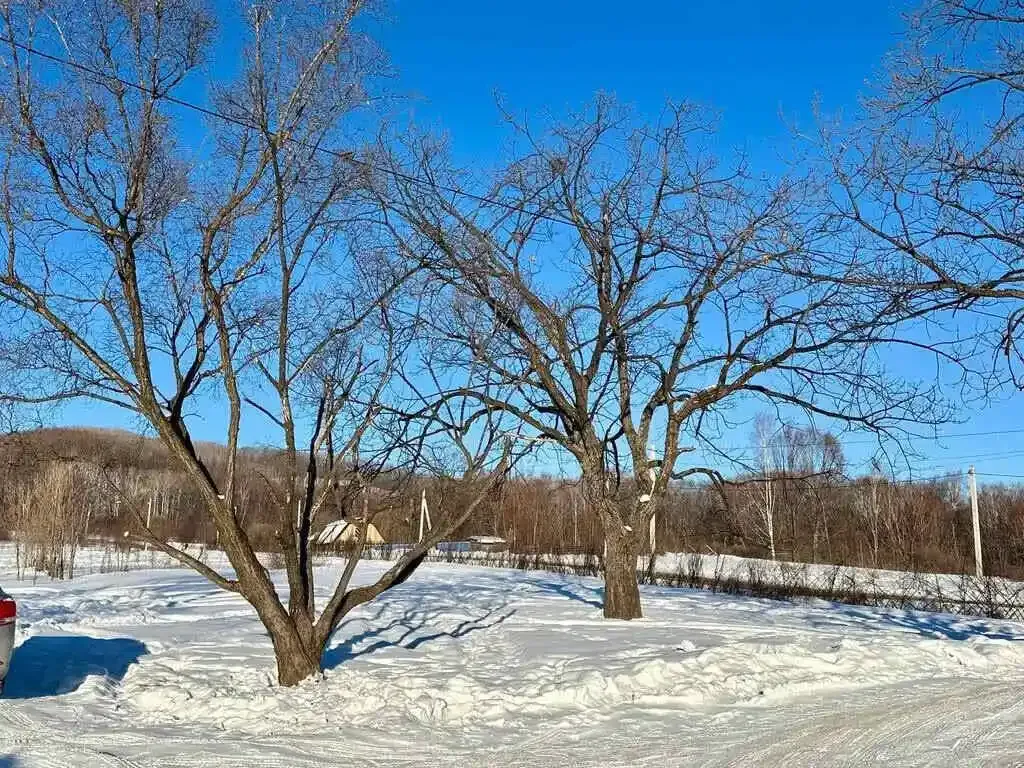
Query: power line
(936,438)
(347,156)
(850,483)
(858,483)
(940,461)
(350,157)
(738,453)
(901,481)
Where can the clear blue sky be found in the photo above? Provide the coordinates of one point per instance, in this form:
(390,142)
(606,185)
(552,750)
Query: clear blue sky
(753,61)
(746,58)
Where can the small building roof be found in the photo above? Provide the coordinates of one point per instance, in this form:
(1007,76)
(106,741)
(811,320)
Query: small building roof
(342,532)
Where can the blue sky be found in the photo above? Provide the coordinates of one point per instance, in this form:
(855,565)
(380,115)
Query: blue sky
(754,62)
(748,59)
(760,64)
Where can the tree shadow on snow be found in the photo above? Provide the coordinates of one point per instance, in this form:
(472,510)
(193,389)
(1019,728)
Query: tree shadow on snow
(408,625)
(564,589)
(937,625)
(52,665)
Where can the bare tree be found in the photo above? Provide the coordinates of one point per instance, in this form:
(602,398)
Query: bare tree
(763,492)
(810,461)
(165,280)
(931,176)
(627,290)
(787,481)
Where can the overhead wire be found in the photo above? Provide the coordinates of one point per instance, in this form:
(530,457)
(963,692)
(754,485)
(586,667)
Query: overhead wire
(346,155)
(350,157)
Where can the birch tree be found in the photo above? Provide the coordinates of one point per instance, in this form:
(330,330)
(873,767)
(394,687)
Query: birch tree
(763,498)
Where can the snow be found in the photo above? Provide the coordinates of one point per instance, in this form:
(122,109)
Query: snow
(466,665)
(813,576)
(783,572)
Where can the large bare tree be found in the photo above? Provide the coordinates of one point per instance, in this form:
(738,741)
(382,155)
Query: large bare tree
(931,175)
(179,269)
(629,291)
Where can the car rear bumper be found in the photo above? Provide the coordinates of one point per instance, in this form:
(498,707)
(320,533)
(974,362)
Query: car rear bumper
(6,647)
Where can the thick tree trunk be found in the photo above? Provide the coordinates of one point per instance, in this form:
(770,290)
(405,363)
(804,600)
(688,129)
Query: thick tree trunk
(621,591)
(297,650)
(296,659)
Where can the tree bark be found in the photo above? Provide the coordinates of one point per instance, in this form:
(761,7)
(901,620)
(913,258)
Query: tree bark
(621,591)
(296,659)
(621,545)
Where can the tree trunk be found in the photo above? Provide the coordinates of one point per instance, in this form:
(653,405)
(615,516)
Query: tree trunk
(296,660)
(297,652)
(621,591)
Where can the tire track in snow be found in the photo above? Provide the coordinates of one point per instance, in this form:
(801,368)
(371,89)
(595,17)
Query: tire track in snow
(947,722)
(62,743)
(49,748)
(932,723)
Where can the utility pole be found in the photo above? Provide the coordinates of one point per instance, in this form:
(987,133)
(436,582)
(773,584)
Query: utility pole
(972,487)
(652,477)
(424,514)
(149,518)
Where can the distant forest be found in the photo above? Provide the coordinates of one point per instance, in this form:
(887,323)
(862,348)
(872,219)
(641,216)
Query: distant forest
(77,484)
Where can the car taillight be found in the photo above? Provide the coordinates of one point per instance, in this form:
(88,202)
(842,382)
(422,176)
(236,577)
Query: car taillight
(8,609)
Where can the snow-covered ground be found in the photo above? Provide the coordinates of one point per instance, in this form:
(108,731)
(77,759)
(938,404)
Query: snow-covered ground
(745,570)
(482,666)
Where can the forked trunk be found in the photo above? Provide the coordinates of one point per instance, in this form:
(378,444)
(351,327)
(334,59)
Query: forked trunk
(621,590)
(297,650)
(297,659)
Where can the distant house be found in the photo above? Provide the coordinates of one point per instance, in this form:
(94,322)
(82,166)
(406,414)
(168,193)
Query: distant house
(474,544)
(487,544)
(342,532)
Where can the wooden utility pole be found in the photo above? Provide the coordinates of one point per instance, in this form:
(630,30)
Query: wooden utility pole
(652,475)
(149,519)
(972,487)
(424,514)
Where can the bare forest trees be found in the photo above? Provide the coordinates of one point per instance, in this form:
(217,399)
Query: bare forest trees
(628,292)
(52,516)
(158,264)
(793,469)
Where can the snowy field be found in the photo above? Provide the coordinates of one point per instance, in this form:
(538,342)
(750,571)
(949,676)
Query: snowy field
(715,571)
(482,666)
